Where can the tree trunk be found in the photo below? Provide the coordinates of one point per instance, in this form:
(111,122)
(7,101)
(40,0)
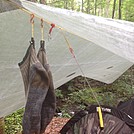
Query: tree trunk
(65,4)
(32,0)
(2,126)
(88,7)
(95,7)
(113,12)
(72,4)
(103,7)
(43,2)
(82,5)
(107,8)
(120,9)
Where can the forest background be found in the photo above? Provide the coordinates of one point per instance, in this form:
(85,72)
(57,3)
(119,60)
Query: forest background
(76,95)
(118,9)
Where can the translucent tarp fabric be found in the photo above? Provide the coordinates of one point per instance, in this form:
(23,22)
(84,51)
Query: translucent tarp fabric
(103,47)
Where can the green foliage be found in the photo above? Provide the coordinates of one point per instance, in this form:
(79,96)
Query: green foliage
(128,10)
(65,114)
(74,96)
(87,97)
(123,87)
(58,94)
(109,99)
(13,122)
(82,97)
(98,7)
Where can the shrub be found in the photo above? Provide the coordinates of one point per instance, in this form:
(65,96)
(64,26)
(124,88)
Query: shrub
(13,122)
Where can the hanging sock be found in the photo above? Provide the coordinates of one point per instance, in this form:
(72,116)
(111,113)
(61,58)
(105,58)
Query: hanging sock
(36,82)
(38,87)
(49,104)
(29,59)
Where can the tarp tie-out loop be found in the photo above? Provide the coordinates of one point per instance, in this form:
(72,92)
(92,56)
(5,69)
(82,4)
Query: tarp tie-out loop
(32,23)
(42,29)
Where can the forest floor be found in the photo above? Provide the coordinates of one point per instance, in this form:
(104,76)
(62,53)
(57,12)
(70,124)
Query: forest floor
(56,125)
(58,122)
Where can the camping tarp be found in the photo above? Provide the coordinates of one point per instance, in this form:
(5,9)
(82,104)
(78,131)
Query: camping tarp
(104,48)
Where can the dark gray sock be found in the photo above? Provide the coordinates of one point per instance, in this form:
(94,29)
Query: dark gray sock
(36,82)
(29,59)
(39,84)
(49,104)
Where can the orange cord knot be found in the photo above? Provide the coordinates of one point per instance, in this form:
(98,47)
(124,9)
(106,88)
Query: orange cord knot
(32,19)
(72,52)
(42,23)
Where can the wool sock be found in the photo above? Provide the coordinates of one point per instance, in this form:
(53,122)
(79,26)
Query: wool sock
(49,104)
(29,59)
(38,87)
(36,83)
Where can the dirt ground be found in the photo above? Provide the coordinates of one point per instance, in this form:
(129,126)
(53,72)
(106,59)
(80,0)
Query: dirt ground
(55,126)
